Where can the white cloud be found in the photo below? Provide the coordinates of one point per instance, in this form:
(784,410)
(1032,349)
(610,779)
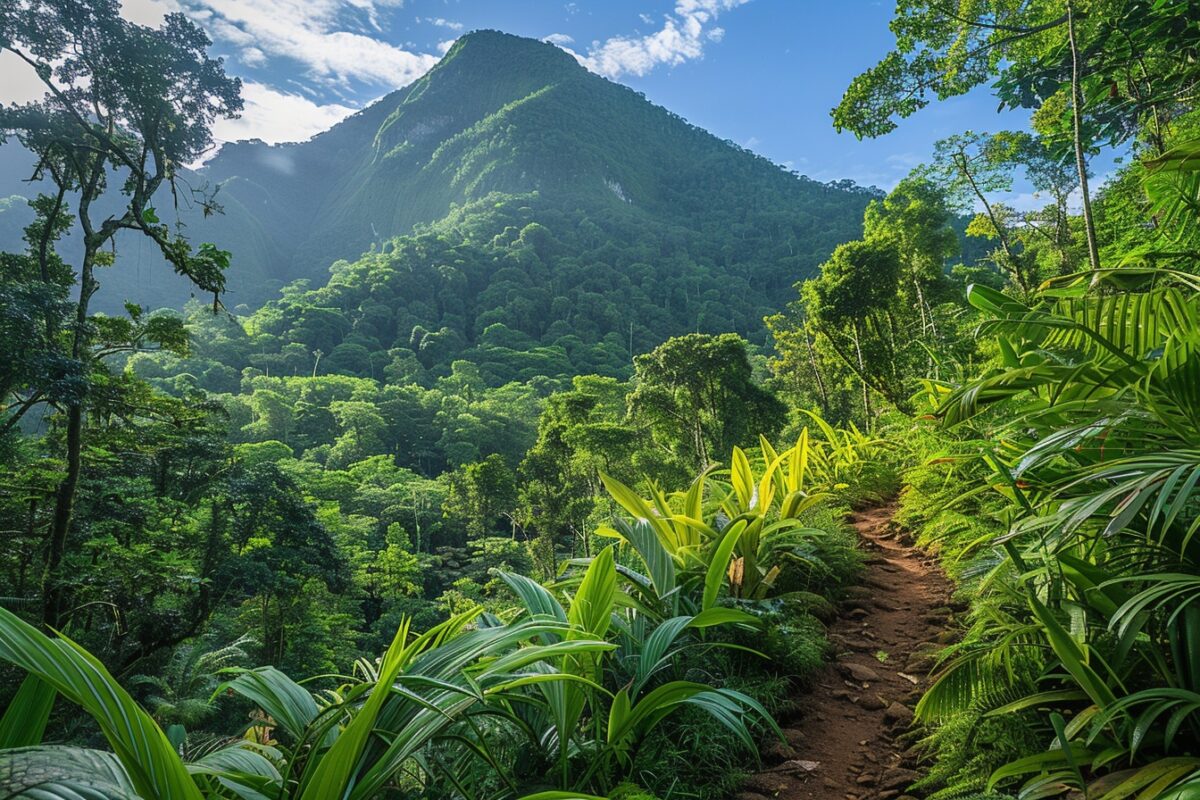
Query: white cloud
(275,116)
(560,39)
(21,84)
(147,12)
(253,57)
(444,47)
(680,39)
(442,23)
(315,33)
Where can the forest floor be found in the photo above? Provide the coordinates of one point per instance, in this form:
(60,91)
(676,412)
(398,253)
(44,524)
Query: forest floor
(847,740)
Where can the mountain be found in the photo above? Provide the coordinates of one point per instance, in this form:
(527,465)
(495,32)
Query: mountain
(506,132)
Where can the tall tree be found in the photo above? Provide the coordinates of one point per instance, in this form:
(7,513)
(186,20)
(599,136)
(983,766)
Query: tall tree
(697,396)
(125,107)
(1098,71)
(916,220)
(852,305)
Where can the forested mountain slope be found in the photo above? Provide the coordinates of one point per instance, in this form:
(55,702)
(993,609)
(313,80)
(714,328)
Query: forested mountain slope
(503,132)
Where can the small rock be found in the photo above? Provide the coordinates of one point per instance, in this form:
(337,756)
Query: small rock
(800,765)
(887,794)
(794,736)
(947,637)
(840,694)
(860,673)
(858,613)
(764,784)
(898,777)
(830,783)
(898,713)
(861,645)
(865,779)
(920,664)
(886,605)
(749,796)
(777,751)
(872,702)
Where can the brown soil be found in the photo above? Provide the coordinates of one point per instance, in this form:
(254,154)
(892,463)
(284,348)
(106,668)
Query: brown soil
(844,743)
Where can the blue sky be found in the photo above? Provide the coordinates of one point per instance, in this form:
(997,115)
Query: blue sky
(762,73)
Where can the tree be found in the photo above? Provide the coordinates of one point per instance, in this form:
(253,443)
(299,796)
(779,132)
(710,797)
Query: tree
(560,481)
(280,551)
(126,105)
(851,304)
(970,167)
(1138,53)
(915,219)
(1092,71)
(482,494)
(696,395)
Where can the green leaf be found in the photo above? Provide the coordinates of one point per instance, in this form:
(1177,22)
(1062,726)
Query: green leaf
(592,607)
(285,701)
(63,773)
(331,780)
(25,719)
(1073,656)
(154,768)
(714,578)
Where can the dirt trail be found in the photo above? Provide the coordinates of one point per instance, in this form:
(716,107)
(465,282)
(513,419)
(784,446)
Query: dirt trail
(842,745)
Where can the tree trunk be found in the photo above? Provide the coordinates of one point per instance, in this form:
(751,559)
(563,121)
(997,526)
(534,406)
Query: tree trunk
(812,360)
(53,592)
(866,390)
(1018,274)
(1089,223)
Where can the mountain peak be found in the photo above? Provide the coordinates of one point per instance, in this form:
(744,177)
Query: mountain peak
(499,51)
(517,124)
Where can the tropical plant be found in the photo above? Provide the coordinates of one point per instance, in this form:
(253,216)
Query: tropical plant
(1093,613)
(181,694)
(734,529)
(353,741)
(607,702)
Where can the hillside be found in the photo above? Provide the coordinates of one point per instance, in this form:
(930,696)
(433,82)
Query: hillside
(499,115)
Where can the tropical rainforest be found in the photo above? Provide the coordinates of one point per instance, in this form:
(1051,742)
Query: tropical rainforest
(509,439)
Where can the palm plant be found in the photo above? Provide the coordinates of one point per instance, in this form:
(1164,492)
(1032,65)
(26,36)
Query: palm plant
(1099,450)
(739,533)
(607,702)
(352,742)
(182,694)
